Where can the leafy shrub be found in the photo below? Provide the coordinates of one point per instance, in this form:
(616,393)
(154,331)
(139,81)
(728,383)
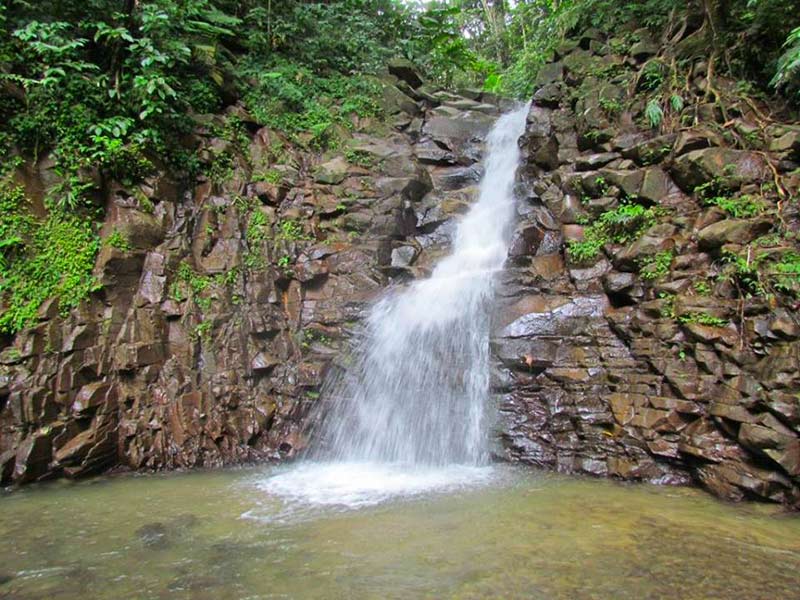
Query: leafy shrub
(621,225)
(657,266)
(652,75)
(41,259)
(359,158)
(190,285)
(740,207)
(702,319)
(292,99)
(118,240)
(291,230)
(785,274)
(654,113)
(763,273)
(257,233)
(787,74)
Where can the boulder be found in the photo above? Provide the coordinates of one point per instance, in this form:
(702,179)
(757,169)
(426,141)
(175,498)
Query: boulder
(548,74)
(263,363)
(332,172)
(33,457)
(526,241)
(735,167)
(788,144)
(92,396)
(395,101)
(655,185)
(403,256)
(775,441)
(404,69)
(732,231)
(654,241)
(452,129)
(592,162)
(630,182)
(549,95)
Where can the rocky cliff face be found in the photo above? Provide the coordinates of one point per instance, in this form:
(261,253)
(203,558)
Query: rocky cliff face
(663,357)
(224,301)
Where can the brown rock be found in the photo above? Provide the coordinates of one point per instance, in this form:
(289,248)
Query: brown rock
(92,396)
(732,231)
(700,166)
(32,458)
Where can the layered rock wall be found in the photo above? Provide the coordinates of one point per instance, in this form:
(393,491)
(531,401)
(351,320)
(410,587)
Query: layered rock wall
(652,360)
(224,301)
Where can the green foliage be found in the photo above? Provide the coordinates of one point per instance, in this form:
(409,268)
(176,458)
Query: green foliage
(652,75)
(756,37)
(359,158)
(763,273)
(284,264)
(740,207)
(309,336)
(657,266)
(117,239)
(627,222)
(257,233)
(292,231)
(345,36)
(203,330)
(702,288)
(610,105)
(702,319)
(40,259)
(105,88)
(667,305)
(585,250)
(719,192)
(190,285)
(743,272)
(654,113)
(787,73)
(270,176)
(785,274)
(621,225)
(307,106)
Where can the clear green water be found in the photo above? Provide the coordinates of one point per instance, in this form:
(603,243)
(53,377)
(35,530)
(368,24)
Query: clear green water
(525,535)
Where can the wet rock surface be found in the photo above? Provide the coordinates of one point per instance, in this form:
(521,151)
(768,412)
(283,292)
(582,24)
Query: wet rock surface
(604,368)
(219,318)
(216,326)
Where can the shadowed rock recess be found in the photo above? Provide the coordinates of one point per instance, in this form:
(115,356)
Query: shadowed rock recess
(650,360)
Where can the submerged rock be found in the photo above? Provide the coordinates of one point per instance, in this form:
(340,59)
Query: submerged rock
(153,535)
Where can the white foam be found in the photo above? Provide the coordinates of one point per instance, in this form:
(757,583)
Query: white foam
(360,484)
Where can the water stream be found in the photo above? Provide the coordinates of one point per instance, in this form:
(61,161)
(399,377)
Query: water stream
(410,415)
(218,536)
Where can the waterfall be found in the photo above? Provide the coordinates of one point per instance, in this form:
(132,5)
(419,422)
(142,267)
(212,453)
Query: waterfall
(413,401)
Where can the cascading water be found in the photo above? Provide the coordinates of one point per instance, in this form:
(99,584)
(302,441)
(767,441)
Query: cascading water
(410,414)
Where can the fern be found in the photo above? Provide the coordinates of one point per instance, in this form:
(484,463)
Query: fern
(654,113)
(789,63)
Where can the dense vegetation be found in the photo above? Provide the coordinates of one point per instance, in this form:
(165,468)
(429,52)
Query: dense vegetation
(112,89)
(752,40)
